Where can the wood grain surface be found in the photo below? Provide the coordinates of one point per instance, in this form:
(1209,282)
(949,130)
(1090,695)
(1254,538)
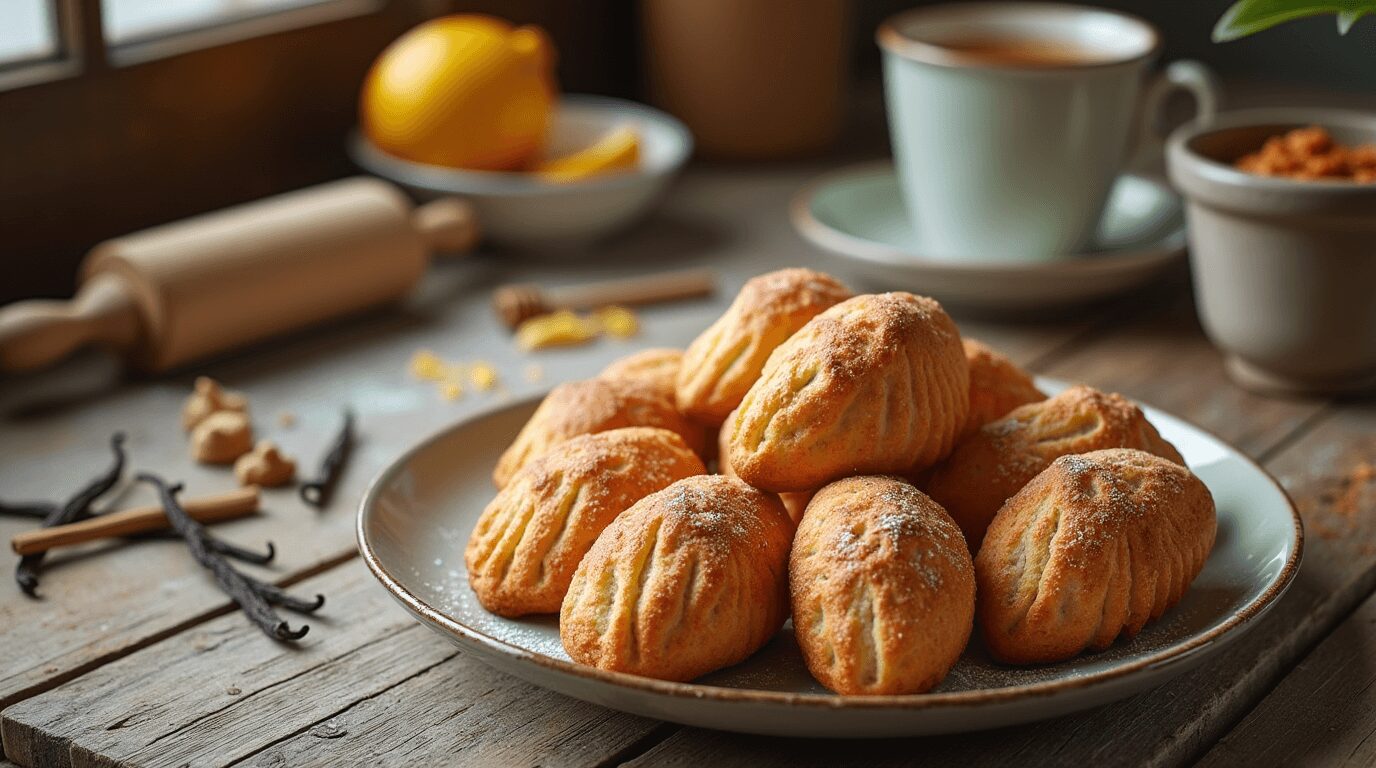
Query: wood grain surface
(133,657)
(56,424)
(223,692)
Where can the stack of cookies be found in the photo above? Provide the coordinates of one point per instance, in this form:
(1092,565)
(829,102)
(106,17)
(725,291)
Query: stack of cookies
(887,484)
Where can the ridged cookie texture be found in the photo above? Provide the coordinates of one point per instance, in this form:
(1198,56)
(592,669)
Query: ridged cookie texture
(1090,550)
(794,501)
(530,539)
(657,368)
(883,588)
(588,407)
(722,363)
(997,461)
(877,384)
(690,579)
(997,386)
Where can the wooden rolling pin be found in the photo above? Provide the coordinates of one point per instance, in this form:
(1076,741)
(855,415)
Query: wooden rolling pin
(183,291)
(210,509)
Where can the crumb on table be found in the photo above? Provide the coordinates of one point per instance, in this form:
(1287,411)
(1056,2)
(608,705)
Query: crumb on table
(483,375)
(618,321)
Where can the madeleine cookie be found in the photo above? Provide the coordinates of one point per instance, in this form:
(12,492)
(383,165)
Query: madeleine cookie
(997,386)
(528,541)
(658,368)
(883,588)
(690,579)
(722,363)
(997,461)
(1091,549)
(875,384)
(794,501)
(587,407)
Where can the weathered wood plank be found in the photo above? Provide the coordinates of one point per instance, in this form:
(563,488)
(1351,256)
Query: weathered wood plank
(223,692)
(102,600)
(1322,713)
(460,713)
(1160,357)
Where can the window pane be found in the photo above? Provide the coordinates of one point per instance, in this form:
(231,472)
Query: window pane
(28,30)
(127,20)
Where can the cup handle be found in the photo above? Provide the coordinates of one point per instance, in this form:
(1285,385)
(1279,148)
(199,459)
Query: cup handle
(1185,75)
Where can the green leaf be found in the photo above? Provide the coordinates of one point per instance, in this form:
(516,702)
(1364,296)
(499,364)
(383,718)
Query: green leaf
(1246,17)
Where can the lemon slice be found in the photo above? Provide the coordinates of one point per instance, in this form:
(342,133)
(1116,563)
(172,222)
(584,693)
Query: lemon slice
(617,150)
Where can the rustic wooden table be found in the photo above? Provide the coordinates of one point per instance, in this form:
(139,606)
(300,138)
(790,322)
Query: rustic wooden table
(132,656)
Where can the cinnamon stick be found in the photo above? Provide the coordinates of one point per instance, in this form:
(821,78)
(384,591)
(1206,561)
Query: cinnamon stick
(238,503)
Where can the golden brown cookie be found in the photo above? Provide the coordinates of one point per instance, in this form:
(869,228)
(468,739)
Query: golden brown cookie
(877,384)
(587,407)
(690,579)
(794,501)
(722,363)
(656,367)
(1091,549)
(883,588)
(997,386)
(523,552)
(997,461)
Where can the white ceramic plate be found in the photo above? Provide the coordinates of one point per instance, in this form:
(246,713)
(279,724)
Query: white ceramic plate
(519,209)
(857,215)
(416,518)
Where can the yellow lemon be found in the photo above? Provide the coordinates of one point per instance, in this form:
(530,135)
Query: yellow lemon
(463,91)
(618,150)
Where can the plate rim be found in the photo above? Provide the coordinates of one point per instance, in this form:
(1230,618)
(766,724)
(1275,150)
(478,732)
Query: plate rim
(1174,656)
(1159,253)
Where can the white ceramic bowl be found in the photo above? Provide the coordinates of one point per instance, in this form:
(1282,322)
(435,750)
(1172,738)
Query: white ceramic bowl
(521,210)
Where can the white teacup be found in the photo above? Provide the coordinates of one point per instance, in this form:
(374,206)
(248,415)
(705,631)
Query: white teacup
(1010,121)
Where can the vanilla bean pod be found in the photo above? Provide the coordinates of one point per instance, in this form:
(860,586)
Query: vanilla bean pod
(255,597)
(318,492)
(78,507)
(239,553)
(34,509)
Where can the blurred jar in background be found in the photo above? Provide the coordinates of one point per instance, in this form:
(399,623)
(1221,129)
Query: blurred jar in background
(753,79)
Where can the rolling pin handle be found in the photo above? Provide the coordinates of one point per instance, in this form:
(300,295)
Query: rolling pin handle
(449,225)
(34,334)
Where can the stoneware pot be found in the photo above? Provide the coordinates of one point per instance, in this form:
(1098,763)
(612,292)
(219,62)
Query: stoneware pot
(1284,270)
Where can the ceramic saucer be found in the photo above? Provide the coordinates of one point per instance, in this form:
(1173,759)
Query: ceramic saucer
(857,215)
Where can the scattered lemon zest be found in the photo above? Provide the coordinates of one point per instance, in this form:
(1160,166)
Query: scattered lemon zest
(618,321)
(562,328)
(451,390)
(483,376)
(428,366)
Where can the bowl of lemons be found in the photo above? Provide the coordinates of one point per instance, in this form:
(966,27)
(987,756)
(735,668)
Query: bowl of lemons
(466,106)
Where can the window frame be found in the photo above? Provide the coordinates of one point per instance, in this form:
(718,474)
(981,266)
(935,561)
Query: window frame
(195,37)
(69,59)
(82,48)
